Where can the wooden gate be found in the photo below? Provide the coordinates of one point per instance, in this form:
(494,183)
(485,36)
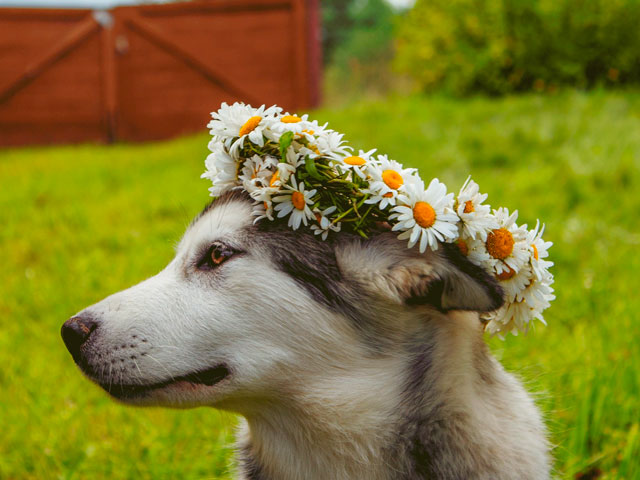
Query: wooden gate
(150,72)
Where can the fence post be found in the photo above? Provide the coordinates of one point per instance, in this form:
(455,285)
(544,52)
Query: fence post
(314,47)
(109,93)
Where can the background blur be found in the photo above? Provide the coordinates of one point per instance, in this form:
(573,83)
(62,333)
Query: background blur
(539,100)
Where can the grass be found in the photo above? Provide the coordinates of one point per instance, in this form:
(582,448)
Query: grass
(81,222)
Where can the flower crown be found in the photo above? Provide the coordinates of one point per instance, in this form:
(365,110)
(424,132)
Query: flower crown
(294,167)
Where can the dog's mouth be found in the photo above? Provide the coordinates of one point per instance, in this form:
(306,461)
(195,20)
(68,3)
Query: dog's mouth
(208,377)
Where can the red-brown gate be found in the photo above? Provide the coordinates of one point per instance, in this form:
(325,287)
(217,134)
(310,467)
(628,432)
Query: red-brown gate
(150,72)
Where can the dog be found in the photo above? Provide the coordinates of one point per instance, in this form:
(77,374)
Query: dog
(348,358)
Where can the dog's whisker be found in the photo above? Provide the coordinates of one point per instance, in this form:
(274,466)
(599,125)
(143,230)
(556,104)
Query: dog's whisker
(171,376)
(138,367)
(166,346)
(103,369)
(110,376)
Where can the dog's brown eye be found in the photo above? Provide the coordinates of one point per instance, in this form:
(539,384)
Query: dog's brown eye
(215,256)
(219,255)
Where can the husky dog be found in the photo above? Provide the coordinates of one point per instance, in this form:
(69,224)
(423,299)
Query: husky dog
(347,358)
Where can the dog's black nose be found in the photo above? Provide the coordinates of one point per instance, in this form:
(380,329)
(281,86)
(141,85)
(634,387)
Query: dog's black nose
(76,331)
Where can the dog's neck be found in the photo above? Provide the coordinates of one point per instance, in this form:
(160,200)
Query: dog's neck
(336,427)
(368,420)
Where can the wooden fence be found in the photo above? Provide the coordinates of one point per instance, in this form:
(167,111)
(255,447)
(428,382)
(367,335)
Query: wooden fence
(150,72)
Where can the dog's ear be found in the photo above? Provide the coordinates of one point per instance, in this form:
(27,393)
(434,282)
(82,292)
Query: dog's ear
(444,279)
(456,284)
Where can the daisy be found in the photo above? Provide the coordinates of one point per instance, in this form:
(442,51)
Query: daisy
(263,197)
(506,245)
(513,317)
(510,318)
(219,160)
(291,123)
(221,169)
(463,246)
(517,314)
(514,283)
(388,178)
(330,144)
(283,170)
(475,250)
(240,121)
(355,163)
(426,215)
(310,151)
(256,172)
(539,251)
(262,209)
(295,155)
(306,131)
(324,224)
(295,201)
(281,175)
(538,293)
(476,218)
(315,130)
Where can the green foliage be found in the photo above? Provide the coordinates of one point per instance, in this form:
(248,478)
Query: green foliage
(356,29)
(500,46)
(334,184)
(79,223)
(358,46)
(285,142)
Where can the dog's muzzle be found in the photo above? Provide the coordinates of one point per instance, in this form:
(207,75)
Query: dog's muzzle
(78,333)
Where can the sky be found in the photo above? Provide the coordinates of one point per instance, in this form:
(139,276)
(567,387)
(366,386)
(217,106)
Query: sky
(402,3)
(67,3)
(112,3)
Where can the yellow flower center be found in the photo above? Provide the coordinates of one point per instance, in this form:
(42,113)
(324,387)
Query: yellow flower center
(310,132)
(290,119)
(468,207)
(462,245)
(388,195)
(298,200)
(393,179)
(266,205)
(250,125)
(274,178)
(535,252)
(355,161)
(506,274)
(314,148)
(500,243)
(424,214)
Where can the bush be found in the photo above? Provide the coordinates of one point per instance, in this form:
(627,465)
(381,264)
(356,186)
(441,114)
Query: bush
(358,48)
(358,29)
(501,46)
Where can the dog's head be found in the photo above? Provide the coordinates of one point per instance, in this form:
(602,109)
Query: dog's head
(244,309)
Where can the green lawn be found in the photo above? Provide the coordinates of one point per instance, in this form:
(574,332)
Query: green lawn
(79,223)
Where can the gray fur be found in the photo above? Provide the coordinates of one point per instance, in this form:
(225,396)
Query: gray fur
(348,358)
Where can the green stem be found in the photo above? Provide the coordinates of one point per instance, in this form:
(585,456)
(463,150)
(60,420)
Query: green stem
(342,215)
(364,217)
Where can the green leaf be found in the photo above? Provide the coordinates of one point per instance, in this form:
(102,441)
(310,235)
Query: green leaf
(285,142)
(310,166)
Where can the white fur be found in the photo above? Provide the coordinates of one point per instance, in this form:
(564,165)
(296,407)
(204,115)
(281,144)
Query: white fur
(318,404)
